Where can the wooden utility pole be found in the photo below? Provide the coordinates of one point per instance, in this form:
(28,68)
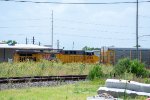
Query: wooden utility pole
(137,23)
(52,28)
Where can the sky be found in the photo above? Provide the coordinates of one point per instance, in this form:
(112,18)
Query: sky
(75,26)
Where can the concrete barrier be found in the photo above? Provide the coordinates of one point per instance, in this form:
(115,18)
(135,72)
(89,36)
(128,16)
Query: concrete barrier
(129,85)
(120,92)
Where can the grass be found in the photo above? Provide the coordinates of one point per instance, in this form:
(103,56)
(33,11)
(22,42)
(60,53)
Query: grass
(77,91)
(45,68)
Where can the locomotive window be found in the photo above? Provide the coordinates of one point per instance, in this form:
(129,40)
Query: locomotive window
(66,52)
(41,50)
(89,53)
(80,52)
(92,53)
(52,55)
(72,52)
(25,54)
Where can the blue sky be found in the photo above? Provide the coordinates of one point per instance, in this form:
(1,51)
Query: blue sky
(85,25)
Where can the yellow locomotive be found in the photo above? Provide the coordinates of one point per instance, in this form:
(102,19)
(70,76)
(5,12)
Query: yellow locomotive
(27,55)
(69,56)
(105,55)
(64,56)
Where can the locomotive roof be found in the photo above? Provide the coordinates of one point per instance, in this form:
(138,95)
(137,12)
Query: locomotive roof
(113,48)
(80,50)
(28,51)
(23,46)
(72,50)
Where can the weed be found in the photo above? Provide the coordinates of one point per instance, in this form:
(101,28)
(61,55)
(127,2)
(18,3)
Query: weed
(96,72)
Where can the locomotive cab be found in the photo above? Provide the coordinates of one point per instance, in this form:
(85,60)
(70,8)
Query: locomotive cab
(27,55)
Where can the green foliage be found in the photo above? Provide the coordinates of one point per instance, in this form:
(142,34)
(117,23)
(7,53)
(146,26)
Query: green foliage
(11,42)
(131,66)
(147,80)
(122,66)
(44,68)
(89,48)
(82,68)
(96,72)
(138,69)
(77,91)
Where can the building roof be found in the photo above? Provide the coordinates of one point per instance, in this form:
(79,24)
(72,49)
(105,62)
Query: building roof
(23,46)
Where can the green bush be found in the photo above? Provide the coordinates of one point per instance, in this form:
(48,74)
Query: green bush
(131,66)
(95,72)
(138,69)
(122,66)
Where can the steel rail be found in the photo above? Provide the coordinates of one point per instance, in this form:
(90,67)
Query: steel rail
(5,80)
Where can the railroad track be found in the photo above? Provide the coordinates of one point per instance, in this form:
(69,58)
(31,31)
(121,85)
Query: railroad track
(42,79)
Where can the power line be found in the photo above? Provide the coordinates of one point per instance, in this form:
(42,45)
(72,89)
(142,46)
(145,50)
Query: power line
(95,37)
(90,30)
(143,1)
(72,3)
(25,19)
(75,3)
(144,16)
(89,23)
(71,21)
(21,26)
(85,36)
(72,29)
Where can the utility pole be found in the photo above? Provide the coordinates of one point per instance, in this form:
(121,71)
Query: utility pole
(137,23)
(57,44)
(26,40)
(33,40)
(39,43)
(52,28)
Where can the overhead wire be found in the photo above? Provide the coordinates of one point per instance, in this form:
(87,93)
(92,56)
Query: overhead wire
(73,21)
(95,37)
(77,3)
(70,28)
(71,3)
(74,4)
(145,16)
(66,20)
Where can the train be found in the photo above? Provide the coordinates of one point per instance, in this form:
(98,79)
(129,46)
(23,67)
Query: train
(64,56)
(104,55)
(69,56)
(111,55)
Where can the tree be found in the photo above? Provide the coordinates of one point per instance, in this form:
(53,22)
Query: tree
(90,48)
(11,42)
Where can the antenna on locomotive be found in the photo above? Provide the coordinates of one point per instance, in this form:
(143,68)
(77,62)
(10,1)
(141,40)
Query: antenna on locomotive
(73,45)
(58,44)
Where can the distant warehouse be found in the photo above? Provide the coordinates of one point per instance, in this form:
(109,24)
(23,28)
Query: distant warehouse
(110,55)
(22,52)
